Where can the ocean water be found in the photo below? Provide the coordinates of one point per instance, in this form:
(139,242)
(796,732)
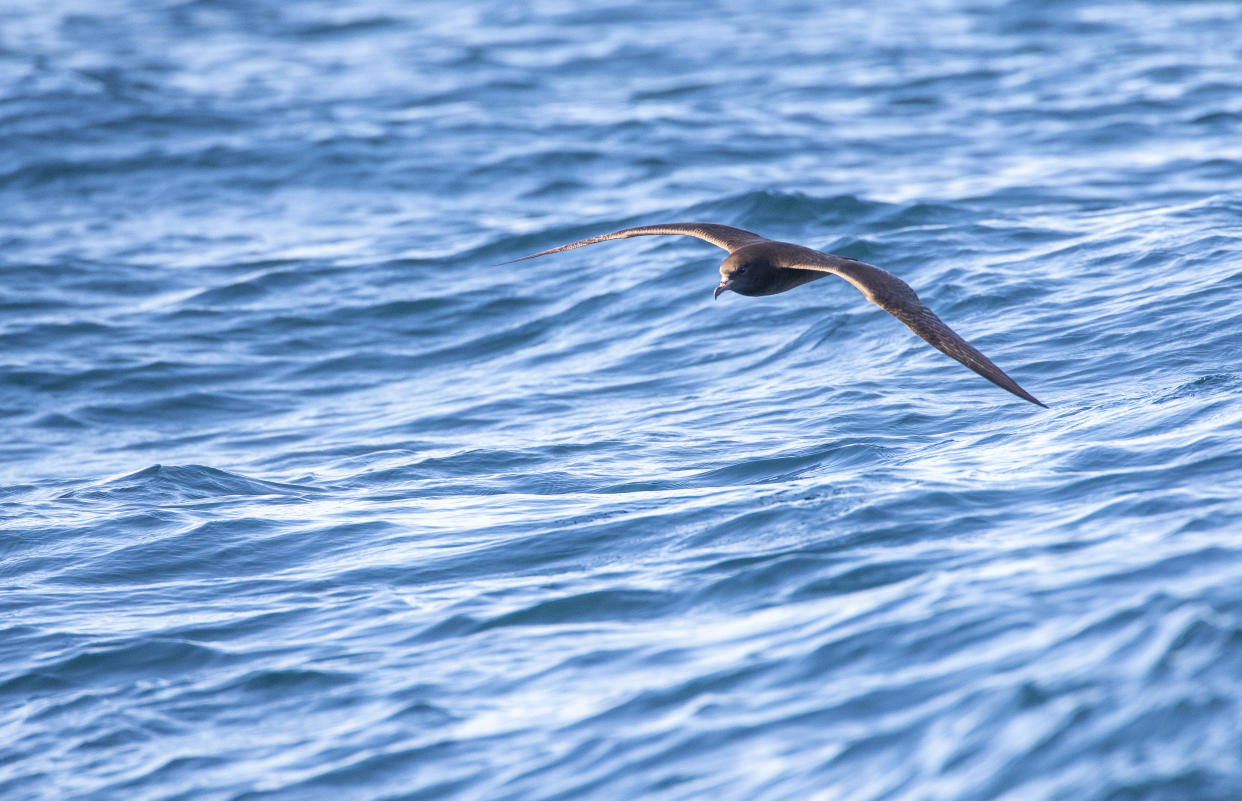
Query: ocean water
(304,496)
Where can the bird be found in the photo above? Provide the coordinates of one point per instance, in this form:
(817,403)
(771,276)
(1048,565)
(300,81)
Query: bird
(759,266)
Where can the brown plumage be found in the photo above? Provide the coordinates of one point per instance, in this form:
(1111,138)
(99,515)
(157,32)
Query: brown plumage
(759,266)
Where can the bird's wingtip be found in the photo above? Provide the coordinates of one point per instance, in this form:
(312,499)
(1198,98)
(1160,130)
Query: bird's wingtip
(1026,396)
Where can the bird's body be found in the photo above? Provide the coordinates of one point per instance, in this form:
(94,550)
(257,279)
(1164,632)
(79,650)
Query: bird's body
(759,266)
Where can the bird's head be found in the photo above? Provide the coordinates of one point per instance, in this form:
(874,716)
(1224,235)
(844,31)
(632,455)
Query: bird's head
(745,274)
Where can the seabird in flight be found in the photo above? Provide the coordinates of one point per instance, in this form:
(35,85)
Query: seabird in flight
(759,266)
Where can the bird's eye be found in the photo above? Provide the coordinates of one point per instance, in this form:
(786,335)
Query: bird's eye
(740,270)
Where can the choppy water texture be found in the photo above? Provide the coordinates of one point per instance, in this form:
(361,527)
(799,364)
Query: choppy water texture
(306,498)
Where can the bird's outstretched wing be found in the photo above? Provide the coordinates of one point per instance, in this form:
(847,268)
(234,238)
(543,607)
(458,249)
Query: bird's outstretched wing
(722,236)
(896,297)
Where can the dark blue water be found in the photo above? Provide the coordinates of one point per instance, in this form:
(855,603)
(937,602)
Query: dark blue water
(304,497)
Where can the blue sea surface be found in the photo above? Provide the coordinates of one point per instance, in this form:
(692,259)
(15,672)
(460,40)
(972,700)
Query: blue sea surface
(304,495)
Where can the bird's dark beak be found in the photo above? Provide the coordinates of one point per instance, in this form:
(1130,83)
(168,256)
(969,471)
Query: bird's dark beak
(723,286)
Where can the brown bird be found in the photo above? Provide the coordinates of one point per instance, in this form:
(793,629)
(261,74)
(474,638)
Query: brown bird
(759,266)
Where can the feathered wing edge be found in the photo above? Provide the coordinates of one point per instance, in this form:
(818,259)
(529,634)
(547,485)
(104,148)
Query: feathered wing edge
(722,236)
(896,297)
(924,322)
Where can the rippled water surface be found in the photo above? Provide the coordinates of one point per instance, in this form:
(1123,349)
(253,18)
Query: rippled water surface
(305,497)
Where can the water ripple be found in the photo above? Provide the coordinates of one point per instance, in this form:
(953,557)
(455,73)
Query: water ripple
(307,495)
